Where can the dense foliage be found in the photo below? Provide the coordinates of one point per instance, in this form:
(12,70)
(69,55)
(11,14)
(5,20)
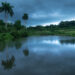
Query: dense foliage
(13,31)
(9,31)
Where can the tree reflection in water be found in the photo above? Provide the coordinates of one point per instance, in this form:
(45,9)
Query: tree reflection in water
(71,41)
(9,63)
(2,46)
(26,52)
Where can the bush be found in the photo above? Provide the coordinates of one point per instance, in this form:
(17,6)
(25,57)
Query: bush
(22,33)
(2,29)
(7,36)
(15,34)
(17,25)
(18,34)
(1,36)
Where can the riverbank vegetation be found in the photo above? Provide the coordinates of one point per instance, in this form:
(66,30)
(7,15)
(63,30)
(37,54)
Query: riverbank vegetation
(10,31)
(13,31)
(64,28)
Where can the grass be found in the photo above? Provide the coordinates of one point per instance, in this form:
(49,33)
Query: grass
(63,32)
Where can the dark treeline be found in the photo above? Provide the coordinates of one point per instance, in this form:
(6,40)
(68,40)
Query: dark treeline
(62,24)
(63,28)
(67,24)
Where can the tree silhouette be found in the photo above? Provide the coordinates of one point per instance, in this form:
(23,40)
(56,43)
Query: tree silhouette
(25,17)
(7,9)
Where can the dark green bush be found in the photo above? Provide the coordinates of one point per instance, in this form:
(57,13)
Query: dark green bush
(7,36)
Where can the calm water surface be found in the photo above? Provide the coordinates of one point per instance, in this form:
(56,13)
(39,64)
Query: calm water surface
(41,55)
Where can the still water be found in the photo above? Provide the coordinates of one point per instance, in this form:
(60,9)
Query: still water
(41,55)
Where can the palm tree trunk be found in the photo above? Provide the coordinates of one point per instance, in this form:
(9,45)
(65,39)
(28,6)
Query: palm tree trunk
(25,25)
(6,17)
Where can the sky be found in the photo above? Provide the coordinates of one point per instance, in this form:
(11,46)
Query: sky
(42,12)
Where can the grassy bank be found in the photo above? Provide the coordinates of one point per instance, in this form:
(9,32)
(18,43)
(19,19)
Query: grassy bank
(12,36)
(21,33)
(60,31)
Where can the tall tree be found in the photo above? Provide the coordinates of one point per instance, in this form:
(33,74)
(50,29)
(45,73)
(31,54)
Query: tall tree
(25,17)
(17,24)
(7,9)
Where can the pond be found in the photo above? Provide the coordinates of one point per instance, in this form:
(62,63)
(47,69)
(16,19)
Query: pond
(38,55)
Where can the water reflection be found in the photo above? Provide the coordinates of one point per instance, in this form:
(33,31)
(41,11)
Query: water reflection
(18,45)
(2,46)
(70,41)
(26,52)
(56,42)
(47,55)
(59,41)
(9,63)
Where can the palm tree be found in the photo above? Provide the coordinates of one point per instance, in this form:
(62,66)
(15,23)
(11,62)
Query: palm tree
(7,9)
(25,17)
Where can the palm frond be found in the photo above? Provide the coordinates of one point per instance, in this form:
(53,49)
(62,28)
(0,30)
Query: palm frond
(7,8)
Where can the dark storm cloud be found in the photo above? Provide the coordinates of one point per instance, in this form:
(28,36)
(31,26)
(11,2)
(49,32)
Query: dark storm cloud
(43,11)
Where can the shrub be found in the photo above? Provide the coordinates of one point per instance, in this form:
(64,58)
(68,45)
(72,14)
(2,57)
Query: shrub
(7,36)
(18,34)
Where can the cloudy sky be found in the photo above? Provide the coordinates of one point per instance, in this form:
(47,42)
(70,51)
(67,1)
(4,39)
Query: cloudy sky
(42,11)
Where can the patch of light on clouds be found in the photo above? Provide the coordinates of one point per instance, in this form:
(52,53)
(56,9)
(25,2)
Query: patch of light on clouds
(38,16)
(48,24)
(54,23)
(56,14)
(43,15)
(57,22)
(71,19)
